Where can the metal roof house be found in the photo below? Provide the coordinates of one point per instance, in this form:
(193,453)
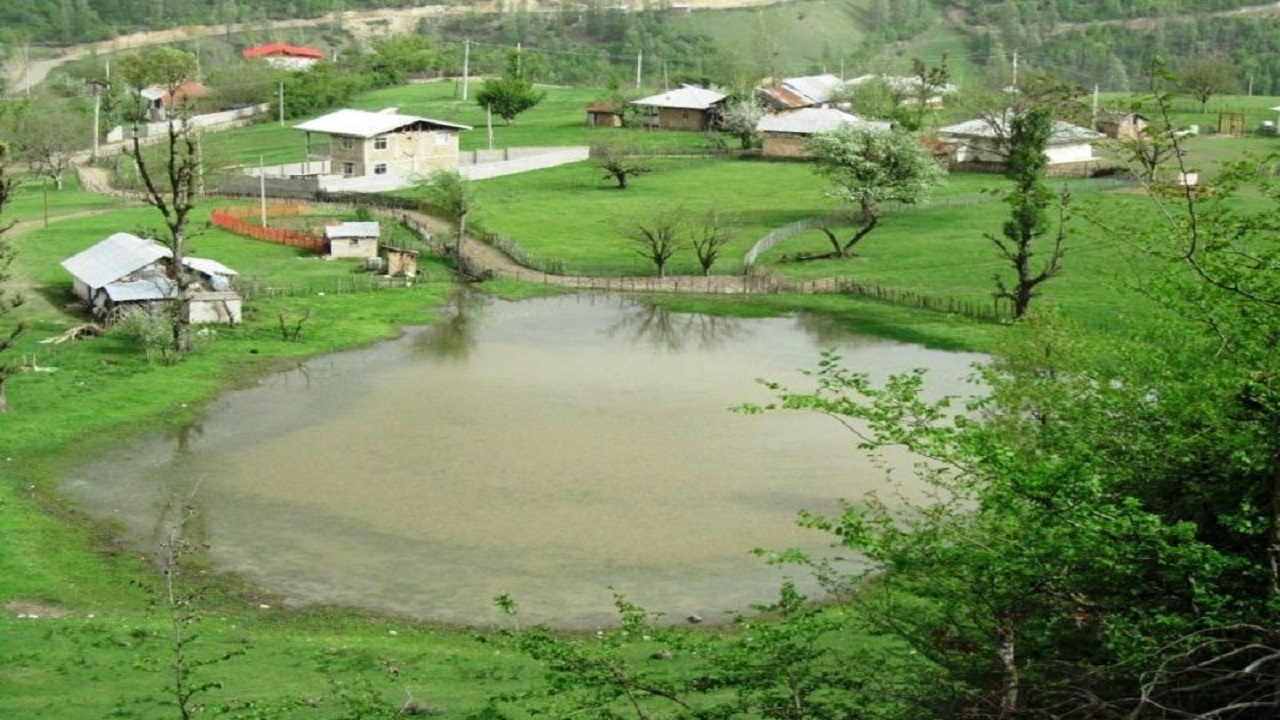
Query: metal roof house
(353,239)
(800,92)
(125,271)
(785,133)
(369,144)
(688,108)
(985,140)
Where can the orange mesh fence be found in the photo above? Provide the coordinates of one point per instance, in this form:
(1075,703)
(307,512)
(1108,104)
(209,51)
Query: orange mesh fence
(232,219)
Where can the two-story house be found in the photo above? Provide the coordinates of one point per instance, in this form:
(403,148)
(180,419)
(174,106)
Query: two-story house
(369,144)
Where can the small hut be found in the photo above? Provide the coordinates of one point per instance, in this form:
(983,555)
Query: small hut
(400,262)
(356,240)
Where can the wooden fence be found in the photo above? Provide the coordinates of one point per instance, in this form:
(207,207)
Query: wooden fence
(233,219)
(257,288)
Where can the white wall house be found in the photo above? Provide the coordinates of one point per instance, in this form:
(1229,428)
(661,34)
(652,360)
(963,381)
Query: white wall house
(353,239)
(985,140)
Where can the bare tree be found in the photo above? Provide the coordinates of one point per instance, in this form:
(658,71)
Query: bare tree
(657,238)
(709,237)
(170,181)
(620,161)
(8,300)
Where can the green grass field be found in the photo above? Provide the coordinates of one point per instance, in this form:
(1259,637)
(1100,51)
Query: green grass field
(109,655)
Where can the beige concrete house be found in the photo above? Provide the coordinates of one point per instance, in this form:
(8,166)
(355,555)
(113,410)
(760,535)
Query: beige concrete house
(784,134)
(371,144)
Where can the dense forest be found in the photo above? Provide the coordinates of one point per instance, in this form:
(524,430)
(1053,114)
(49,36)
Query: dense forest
(994,11)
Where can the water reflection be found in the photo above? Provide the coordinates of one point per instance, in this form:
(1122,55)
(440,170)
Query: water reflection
(549,448)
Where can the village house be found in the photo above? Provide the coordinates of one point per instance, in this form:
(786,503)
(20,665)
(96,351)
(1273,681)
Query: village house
(160,100)
(283,55)
(369,144)
(984,141)
(800,92)
(605,113)
(906,89)
(126,272)
(784,134)
(1121,125)
(353,239)
(688,108)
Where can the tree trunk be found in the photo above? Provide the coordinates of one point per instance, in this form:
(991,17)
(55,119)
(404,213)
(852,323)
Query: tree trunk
(1005,652)
(4,401)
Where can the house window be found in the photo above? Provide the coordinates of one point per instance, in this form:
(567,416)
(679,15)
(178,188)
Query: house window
(348,169)
(380,169)
(442,138)
(684,114)
(380,143)
(348,143)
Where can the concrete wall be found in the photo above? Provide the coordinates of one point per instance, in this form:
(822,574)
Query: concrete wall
(783,145)
(357,248)
(223,308)
(209,121)
(406,153)
(523,161)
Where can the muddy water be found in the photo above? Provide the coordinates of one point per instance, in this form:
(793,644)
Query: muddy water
(550,449)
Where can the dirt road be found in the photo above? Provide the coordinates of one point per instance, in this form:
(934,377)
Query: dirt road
(363,24)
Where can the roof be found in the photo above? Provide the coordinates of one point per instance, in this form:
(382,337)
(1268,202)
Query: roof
(208,267)
(352,230)
(901,83)
(809,121)
(282,49)
(158,288)
(1064,133)
(688,97)
(815,88)
(365,124)
(113,258)
(605,106)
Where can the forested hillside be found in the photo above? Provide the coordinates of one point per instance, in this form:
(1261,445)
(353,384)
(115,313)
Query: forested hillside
(69,21)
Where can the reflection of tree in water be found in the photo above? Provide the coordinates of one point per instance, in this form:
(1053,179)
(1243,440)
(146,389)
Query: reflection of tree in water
(177,512)
(455,337)
(824,329)
(673,331)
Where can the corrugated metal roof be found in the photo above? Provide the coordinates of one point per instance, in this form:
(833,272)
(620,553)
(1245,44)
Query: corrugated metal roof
(113,258)
(995,128)
(352,230)
(158,288)
(688,97)
(815,88)
(284,49)
(365,124)
(809,121)
(208,267)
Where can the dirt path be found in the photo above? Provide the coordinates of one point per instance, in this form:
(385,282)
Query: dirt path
(492,260)
(364,25)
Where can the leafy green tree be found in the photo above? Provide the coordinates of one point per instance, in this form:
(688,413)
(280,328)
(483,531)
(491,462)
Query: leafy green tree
(449,194)
(740,118)
(1029,202)
(1208,76)
(511,94)
(47,132)
(867,169)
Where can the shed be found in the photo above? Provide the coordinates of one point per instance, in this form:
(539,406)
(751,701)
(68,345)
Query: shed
(605,113)
(125,271)
(400,262)
(353,239)
(1121,125)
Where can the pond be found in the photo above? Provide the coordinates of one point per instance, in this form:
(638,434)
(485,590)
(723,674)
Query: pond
(552,449)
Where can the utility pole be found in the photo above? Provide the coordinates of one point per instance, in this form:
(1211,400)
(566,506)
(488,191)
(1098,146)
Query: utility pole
(280,103)
(466,65)
(639,65)
(1015,69)
(262,190)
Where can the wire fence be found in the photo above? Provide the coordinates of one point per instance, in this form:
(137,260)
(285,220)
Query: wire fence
(259,289)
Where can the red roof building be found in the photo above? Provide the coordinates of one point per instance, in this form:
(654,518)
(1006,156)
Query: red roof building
(284,55)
